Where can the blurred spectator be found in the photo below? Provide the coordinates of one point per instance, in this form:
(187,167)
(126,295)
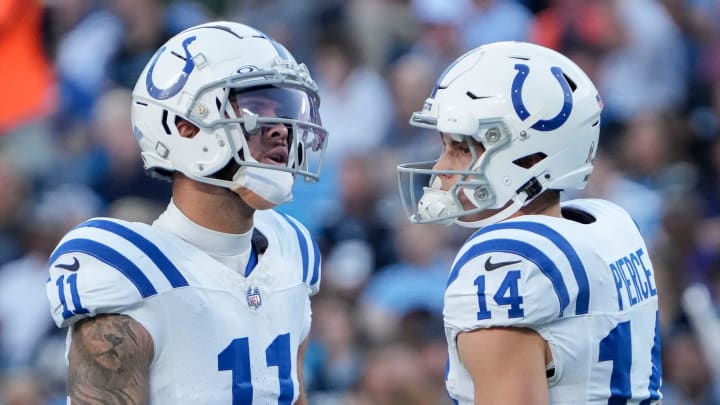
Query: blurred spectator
(594,23)
(395,376)
(356,102)
(495,20)
(686,377)
(26,75)
(697,19)
(648,70)
(135,209)
(440,36)
(22,388)
(15,188)
(415,283)
(385,29)
(83,36)
(295,24)
(709,181)
(24,314)
(355,229)
(147,24)
(334,358)
(652,151)
(410,80)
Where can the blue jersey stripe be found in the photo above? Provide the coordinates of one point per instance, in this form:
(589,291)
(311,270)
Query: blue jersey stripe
(527,251)
(112,258)
(302,240)
(168,269)
(252,262)
(316,264)
(582,304)
(656,375)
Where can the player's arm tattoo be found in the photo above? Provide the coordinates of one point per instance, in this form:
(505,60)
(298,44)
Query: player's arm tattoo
(109,361)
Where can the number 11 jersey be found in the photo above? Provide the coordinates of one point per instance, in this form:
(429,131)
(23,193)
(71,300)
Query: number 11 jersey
(221,335)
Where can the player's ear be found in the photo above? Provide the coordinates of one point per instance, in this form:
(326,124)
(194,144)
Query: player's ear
(186,128)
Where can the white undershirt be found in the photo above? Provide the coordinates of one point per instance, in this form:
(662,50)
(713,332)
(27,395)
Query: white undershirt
(232,250)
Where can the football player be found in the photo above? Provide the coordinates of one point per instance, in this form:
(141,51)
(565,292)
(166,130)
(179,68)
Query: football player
(209,304)
(547,302)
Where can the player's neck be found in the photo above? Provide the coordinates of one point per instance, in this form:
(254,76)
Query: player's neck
(212,207)
(547,203)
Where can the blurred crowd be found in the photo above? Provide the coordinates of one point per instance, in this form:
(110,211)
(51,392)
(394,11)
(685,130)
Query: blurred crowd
(67,153)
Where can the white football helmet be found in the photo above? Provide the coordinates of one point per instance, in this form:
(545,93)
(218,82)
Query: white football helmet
(516,99)
(221,77)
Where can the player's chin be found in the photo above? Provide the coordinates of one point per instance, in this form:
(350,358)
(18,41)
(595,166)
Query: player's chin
(254,200)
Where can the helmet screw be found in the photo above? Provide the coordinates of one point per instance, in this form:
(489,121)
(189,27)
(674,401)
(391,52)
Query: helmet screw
(523,134)
(201,167)
(481,193)
(221,143)
(200,110)
(205,148)
(492,135)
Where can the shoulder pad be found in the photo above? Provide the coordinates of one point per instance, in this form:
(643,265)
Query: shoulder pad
(516,273)
(105,266)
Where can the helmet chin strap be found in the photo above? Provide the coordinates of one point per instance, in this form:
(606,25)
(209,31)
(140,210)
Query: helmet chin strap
(263,188)
(517,202)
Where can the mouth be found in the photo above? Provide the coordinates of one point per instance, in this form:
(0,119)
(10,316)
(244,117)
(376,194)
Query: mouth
(277,156)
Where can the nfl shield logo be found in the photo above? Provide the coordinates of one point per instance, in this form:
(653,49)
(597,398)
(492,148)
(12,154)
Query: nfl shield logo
(253,298)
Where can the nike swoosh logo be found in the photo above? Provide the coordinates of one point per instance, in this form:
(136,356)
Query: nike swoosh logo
(74,266)
(490,266)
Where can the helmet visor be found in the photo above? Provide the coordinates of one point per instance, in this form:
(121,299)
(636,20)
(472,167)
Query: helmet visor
(262,109)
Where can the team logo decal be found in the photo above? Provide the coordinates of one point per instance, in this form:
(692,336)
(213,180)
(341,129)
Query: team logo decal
(254,299)
(173,89)
(542,125)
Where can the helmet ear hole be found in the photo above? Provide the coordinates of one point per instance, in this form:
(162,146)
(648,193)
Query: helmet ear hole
(185,128)
(529,161)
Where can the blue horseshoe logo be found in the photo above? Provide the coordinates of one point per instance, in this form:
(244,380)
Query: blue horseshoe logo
(163,94)
(521,111)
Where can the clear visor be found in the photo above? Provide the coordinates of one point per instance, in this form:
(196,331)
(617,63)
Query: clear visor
(422,198)
(290,112)
(278,102)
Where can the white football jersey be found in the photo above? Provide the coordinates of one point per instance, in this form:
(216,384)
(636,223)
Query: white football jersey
(587,288)
(221,335)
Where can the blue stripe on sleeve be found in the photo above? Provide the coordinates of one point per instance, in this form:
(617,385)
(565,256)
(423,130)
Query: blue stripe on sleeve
(316,264)
(112,258)
(302,240)
(526,250)
(168,269)
(583,298)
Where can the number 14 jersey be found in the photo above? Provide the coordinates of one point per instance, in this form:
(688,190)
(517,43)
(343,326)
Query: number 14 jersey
(586,286)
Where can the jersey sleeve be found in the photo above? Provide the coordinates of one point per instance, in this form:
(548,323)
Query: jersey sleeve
(517,293)
(104,266)
(518,273)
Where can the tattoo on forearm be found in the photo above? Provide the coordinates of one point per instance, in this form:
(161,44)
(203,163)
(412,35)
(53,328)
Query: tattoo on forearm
(109,359)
